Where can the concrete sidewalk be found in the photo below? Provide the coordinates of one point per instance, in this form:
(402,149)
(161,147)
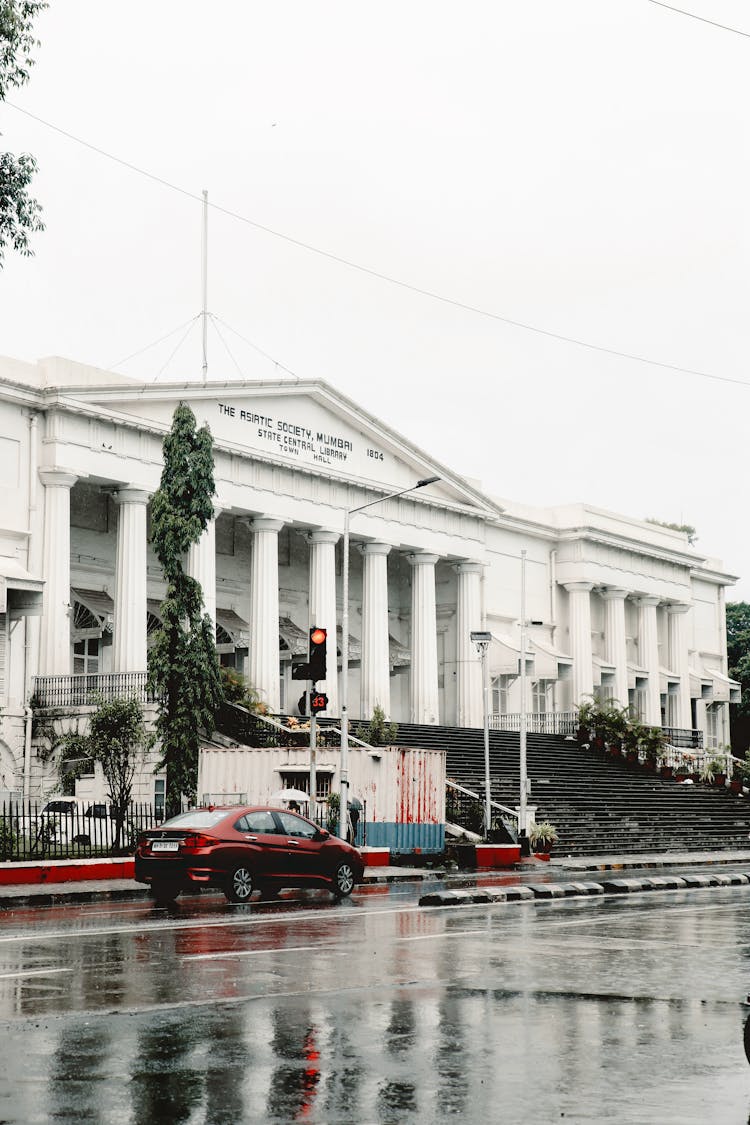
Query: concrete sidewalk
(461,885)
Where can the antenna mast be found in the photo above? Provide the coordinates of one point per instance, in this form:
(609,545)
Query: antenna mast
(204,314)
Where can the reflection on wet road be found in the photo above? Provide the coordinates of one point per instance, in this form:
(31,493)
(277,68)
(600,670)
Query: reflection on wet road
(373,1010)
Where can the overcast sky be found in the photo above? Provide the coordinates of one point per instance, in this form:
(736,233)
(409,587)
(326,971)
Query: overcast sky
(580,167)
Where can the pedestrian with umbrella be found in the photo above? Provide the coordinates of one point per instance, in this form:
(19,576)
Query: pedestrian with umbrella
(355,808)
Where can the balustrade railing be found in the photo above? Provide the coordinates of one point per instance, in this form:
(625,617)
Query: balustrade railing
(689,739)
(87,690)
(547,722)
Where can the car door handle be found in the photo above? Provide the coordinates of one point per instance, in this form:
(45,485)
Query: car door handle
(294,843)
(253,838)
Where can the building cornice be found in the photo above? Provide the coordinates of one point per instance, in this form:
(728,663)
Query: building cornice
(596,535)
(476,505)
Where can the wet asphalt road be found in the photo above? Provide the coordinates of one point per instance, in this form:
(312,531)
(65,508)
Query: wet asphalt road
(622,1009)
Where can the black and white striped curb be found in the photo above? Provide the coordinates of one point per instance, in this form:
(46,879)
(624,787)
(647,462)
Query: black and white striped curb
(529,891)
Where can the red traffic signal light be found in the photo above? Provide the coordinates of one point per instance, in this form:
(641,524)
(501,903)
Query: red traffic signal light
(314,668)
(317,664)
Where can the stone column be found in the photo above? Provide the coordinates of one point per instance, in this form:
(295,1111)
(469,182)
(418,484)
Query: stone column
(648,658)
(375,680)
(263,658)
(424,667)
(201,565)
(54,648)
(129,635)
(323,606)
(615,641)
(579,613)
(679,661)
(469,688)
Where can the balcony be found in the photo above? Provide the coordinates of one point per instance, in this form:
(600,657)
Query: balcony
(547,722)
(89,690)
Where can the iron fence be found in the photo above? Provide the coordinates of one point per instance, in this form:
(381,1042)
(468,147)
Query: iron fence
(66,828)
(57,829)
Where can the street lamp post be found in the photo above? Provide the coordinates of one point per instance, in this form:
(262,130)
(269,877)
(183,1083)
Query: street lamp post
(482,641)
(523,783)
(344,696)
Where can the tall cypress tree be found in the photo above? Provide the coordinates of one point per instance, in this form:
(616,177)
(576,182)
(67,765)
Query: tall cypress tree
(183,667)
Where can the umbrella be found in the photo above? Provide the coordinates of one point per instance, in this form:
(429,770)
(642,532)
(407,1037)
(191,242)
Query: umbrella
(290,795)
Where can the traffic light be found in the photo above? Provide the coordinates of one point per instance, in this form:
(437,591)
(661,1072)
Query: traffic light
(317,665)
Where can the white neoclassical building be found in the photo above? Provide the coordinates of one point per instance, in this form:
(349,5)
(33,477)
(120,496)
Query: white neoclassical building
(614,605)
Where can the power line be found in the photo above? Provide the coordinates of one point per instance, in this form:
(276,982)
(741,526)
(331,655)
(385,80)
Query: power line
(702,19)
(602,349)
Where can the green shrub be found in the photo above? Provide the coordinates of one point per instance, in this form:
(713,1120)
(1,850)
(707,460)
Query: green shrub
(378,732)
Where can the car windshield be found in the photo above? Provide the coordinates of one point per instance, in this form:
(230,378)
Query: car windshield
(59,806)
(198,818)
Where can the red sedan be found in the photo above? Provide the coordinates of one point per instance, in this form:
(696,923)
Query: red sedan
(243,849)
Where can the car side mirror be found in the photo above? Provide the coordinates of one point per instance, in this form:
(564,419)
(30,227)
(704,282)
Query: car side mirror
(322,834)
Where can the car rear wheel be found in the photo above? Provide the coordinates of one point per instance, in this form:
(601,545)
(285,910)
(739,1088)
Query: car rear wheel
(343,880)
(240,885)
(747,1039)
(163,892)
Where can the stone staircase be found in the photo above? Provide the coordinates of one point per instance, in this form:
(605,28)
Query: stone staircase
(598,805)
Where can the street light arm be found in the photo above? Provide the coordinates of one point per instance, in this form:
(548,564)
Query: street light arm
(392,495)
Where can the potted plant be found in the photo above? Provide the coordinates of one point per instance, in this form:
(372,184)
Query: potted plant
(542,837)
(683,771)
(741,775)
(632,743)
(651,740)
(614,723)
(713,772)
(585,716)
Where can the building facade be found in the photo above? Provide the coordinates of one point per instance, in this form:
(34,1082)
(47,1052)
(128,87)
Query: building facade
(613,606)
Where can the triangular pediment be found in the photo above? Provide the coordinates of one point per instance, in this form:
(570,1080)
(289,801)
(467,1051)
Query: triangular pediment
(306,425)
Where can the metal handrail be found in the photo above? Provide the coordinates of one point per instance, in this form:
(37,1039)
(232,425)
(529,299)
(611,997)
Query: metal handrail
(329,728)
(470,793)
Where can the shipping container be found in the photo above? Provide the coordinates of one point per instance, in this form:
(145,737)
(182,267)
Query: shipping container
(402,789)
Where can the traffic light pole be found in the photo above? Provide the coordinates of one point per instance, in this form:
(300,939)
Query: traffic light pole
(313,766)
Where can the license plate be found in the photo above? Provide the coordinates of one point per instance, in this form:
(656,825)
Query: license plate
(165,846)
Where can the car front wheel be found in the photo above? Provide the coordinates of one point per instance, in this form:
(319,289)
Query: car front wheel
(240,885)
(343,880)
